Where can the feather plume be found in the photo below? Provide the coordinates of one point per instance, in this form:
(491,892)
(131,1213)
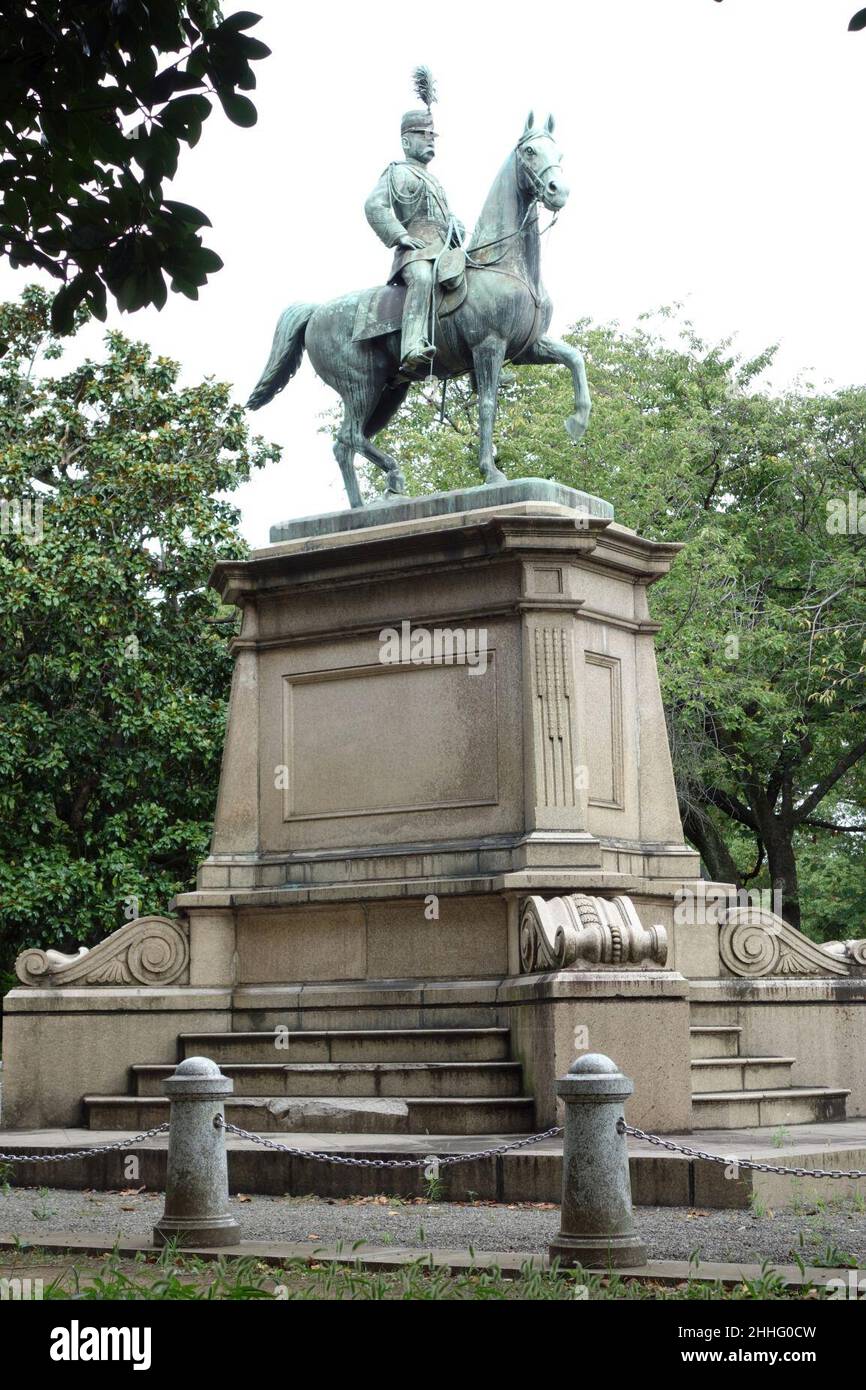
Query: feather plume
(422,77)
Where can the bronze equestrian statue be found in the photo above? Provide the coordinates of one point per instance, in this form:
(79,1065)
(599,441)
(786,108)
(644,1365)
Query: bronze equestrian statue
(469,310)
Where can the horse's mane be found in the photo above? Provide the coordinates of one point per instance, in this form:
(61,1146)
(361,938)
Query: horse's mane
(500,217)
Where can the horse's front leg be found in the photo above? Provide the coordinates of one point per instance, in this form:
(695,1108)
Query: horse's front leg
(487,360)
(548,352)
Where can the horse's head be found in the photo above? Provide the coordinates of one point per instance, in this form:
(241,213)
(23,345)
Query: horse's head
(539,164)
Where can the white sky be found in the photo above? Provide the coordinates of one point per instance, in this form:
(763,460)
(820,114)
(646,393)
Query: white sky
(714,152)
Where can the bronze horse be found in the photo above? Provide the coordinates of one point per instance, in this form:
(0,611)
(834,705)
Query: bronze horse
(503,317)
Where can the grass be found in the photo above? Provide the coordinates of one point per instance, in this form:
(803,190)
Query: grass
(43,1212)
(434,1189)
(816,1245)
(834,1258)
(169,1275)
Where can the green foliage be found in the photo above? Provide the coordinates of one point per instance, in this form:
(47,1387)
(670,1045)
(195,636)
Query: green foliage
(832,869)
(96,100)
(763,633)
(434,1189)
(183,1278)
(113,670)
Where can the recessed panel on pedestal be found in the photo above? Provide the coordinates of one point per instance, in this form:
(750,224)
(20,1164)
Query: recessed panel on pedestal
(604,732)
(382,738)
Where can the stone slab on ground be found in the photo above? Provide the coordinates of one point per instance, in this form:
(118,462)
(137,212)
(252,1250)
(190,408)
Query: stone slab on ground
(532,1174)
(386,1258)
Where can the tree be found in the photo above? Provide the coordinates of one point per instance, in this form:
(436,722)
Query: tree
(114,667)
(96,99)
(763,620)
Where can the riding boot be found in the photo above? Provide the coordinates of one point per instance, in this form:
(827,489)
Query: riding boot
(416,350)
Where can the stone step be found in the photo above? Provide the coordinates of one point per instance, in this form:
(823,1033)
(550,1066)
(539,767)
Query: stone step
(793,1105)
(714,1040)
(332,1115)
(533,1174)
(352,1045)
(385,1080)
(740,1073)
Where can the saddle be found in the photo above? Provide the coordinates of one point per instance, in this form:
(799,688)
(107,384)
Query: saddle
(380,310)
(451,270)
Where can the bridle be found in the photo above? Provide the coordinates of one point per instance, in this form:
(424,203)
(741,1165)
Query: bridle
(537,186)
(536,180)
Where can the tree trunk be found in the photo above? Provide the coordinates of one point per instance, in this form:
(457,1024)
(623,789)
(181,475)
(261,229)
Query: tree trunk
(707,840)
(782,864)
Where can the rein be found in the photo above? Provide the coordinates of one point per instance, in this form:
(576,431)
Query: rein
(509,236)
(537,185)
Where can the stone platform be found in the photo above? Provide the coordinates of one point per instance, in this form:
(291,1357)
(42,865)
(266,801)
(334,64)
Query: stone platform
(542,492)
(446,810)
(658,1177)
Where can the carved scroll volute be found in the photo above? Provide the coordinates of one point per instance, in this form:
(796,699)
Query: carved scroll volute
(149,951)
(853,952)
(754,943)
(579,931)
(548,935)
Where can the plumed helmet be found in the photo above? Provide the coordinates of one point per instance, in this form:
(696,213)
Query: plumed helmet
(416,120)
(425,87)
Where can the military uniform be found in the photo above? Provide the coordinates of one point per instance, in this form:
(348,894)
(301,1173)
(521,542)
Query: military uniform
(410,201)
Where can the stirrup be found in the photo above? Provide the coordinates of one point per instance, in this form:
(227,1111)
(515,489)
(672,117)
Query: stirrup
(415,362)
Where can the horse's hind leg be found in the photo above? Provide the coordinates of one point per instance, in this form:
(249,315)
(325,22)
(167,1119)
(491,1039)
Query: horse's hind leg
(361,414)
(361,375)
(350,441)
(386,407)
(389,466)
(344,452)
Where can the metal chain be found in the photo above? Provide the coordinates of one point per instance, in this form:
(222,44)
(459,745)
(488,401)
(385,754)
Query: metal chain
(623,1128)
(84,1153)
(442,1159)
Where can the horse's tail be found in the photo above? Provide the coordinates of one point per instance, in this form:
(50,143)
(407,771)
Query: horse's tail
(287,350)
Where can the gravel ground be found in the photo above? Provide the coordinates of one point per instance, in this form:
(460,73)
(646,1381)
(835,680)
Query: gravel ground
(825,1234)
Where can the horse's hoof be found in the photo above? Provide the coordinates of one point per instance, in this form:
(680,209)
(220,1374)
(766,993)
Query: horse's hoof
(493,477)
(576,426)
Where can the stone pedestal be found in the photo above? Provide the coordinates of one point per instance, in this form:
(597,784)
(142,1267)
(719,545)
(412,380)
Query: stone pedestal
(446,801)
(433,719)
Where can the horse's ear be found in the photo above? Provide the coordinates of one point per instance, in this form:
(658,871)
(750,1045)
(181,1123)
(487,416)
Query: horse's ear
(550,124)
(530,122)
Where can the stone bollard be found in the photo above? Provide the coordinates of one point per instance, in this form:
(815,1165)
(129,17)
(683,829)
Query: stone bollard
(596,1226)
(197,1183)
